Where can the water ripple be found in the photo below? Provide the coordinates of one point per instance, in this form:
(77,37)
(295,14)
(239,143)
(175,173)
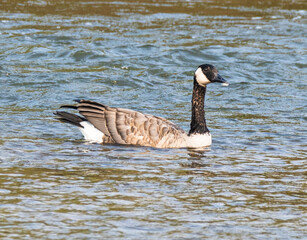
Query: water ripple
(249,184)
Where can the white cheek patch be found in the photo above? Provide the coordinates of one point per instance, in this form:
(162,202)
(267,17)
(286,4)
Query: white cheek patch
(201,77)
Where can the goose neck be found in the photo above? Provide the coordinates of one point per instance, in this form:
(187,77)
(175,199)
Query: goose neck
(198,121)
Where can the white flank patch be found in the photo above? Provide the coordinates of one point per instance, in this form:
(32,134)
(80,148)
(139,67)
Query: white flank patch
(199,140)
(201,77)
(90,133)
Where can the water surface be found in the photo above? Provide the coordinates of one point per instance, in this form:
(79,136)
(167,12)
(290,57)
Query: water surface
(250,184)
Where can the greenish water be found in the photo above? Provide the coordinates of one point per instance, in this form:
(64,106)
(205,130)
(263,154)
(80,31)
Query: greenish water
(250,184)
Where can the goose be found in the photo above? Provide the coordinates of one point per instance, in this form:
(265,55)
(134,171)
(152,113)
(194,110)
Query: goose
(103,124)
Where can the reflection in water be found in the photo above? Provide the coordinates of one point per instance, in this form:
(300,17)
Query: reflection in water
(141,55)
(198,154)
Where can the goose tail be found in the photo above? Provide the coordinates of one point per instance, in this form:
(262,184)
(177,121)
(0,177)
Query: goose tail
(87,129)
(70,118)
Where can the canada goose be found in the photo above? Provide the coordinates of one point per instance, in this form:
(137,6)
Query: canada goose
(104,124)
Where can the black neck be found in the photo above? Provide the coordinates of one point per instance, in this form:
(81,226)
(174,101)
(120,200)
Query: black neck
(198,122)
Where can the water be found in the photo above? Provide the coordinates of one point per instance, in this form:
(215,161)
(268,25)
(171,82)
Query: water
(250,184)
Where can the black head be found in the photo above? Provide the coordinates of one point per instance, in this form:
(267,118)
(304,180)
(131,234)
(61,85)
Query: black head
(207,73)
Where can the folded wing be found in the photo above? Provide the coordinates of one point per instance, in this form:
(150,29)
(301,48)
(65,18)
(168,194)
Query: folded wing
(125,126)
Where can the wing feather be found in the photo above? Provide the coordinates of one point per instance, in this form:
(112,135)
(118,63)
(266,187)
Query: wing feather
(126,126)
(110,116)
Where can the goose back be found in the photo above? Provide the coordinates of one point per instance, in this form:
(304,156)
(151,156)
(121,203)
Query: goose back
(125,126)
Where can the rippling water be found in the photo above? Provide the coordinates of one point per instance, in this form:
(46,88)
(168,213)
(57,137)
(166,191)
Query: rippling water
(250,184)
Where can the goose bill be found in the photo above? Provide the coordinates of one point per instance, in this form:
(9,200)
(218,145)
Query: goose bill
(220,79)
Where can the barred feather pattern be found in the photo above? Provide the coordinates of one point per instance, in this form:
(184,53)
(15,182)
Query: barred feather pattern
(125,126)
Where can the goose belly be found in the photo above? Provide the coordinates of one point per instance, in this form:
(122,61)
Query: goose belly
(199,140)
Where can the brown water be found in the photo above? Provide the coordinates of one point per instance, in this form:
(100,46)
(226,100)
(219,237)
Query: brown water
(250,184)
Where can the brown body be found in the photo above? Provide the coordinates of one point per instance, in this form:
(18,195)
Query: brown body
(125,126)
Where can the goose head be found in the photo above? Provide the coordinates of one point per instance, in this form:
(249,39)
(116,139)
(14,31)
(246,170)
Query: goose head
(207,73)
